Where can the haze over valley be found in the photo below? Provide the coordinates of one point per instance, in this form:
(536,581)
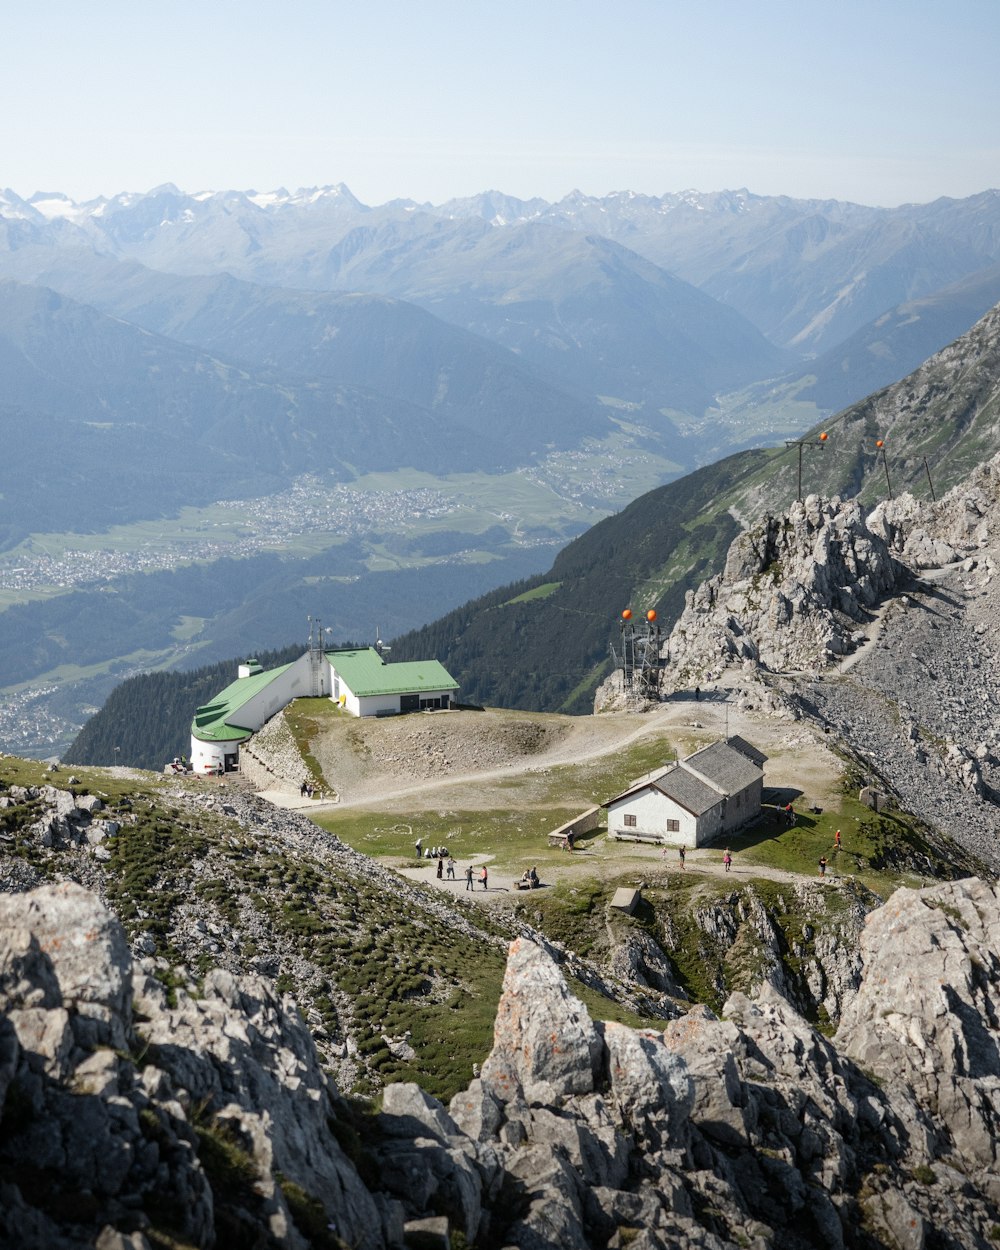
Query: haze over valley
(339,395)
(500,626)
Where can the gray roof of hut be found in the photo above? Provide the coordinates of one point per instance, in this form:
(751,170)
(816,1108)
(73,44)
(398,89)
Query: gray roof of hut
(724,767)
(687,790)
(745,748)
(676,783)
(702,780)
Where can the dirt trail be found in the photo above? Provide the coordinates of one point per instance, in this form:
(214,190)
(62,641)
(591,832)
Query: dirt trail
(799,759)
(650,865)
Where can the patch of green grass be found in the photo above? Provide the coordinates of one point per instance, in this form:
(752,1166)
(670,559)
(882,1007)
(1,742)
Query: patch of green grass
(151,867)
(538,592)
(881,851)
(305,719)
(229,1167)
(172,981)
(513,837)
(573,912)
(310,1216)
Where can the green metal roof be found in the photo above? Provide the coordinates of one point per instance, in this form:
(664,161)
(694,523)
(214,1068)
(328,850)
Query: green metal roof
(366,673)
(216,721)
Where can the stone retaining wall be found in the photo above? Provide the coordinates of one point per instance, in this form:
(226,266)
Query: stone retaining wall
(270,760)
(583,823)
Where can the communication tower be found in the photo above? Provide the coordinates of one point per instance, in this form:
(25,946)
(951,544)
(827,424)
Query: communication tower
(640,660)
(317,660)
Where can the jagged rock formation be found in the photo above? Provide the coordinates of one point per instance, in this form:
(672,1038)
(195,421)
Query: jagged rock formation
(799,590)
(216,877)
(128,1116)
(796,592)
(885,627)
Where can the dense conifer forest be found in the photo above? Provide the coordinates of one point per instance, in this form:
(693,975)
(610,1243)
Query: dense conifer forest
(543,643)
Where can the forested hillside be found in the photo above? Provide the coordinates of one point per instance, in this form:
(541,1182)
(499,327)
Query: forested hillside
(543,643)
(147,719)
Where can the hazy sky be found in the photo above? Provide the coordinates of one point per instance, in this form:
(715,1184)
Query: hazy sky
(880,102)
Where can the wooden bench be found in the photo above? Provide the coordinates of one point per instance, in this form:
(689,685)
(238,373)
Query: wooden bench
(636,836)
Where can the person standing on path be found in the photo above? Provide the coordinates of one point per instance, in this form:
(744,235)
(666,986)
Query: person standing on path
(681,854)
(419,845)
(727,859)
(451,868)
(822,865)
(836,840)
(484,877)
(440,871)
(468,878)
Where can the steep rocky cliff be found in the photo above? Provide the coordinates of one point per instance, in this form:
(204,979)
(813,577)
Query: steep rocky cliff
(801,589)
(884,628)
(134,1117)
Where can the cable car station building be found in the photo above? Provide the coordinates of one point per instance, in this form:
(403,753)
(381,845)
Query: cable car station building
(359,680)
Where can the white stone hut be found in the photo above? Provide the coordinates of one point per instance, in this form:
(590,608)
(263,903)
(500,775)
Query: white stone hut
(693,801)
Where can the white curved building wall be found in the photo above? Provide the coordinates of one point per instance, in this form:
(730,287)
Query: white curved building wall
(206,757)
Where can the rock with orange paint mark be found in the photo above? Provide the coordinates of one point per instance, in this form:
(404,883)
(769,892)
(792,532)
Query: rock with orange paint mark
(545,1046)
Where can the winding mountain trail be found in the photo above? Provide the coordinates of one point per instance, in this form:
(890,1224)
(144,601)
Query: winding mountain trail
(799,759)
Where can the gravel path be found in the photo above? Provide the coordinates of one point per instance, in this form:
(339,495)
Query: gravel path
(603,860)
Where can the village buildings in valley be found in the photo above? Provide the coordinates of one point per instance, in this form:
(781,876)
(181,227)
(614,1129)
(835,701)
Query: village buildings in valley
(695,800)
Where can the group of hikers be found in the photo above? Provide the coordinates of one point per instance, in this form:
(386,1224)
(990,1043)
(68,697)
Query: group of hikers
(529,878)
(446,866)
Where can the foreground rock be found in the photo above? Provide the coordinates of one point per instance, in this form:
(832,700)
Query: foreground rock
(130,1117)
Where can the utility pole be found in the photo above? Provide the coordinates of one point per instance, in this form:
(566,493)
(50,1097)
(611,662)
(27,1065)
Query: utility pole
(805,442)
(880,449)
(929,482)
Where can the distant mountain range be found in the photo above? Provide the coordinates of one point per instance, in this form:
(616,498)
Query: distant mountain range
(641,302)
(165,350)
(807,273)
(544,643)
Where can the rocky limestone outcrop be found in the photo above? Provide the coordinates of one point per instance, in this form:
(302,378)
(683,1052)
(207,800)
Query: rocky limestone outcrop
(925,1017)
(129,1116)
(796,591)
(799,590)
(930,534)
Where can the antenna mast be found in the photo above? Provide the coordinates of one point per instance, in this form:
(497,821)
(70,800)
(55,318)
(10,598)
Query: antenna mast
(640,660)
